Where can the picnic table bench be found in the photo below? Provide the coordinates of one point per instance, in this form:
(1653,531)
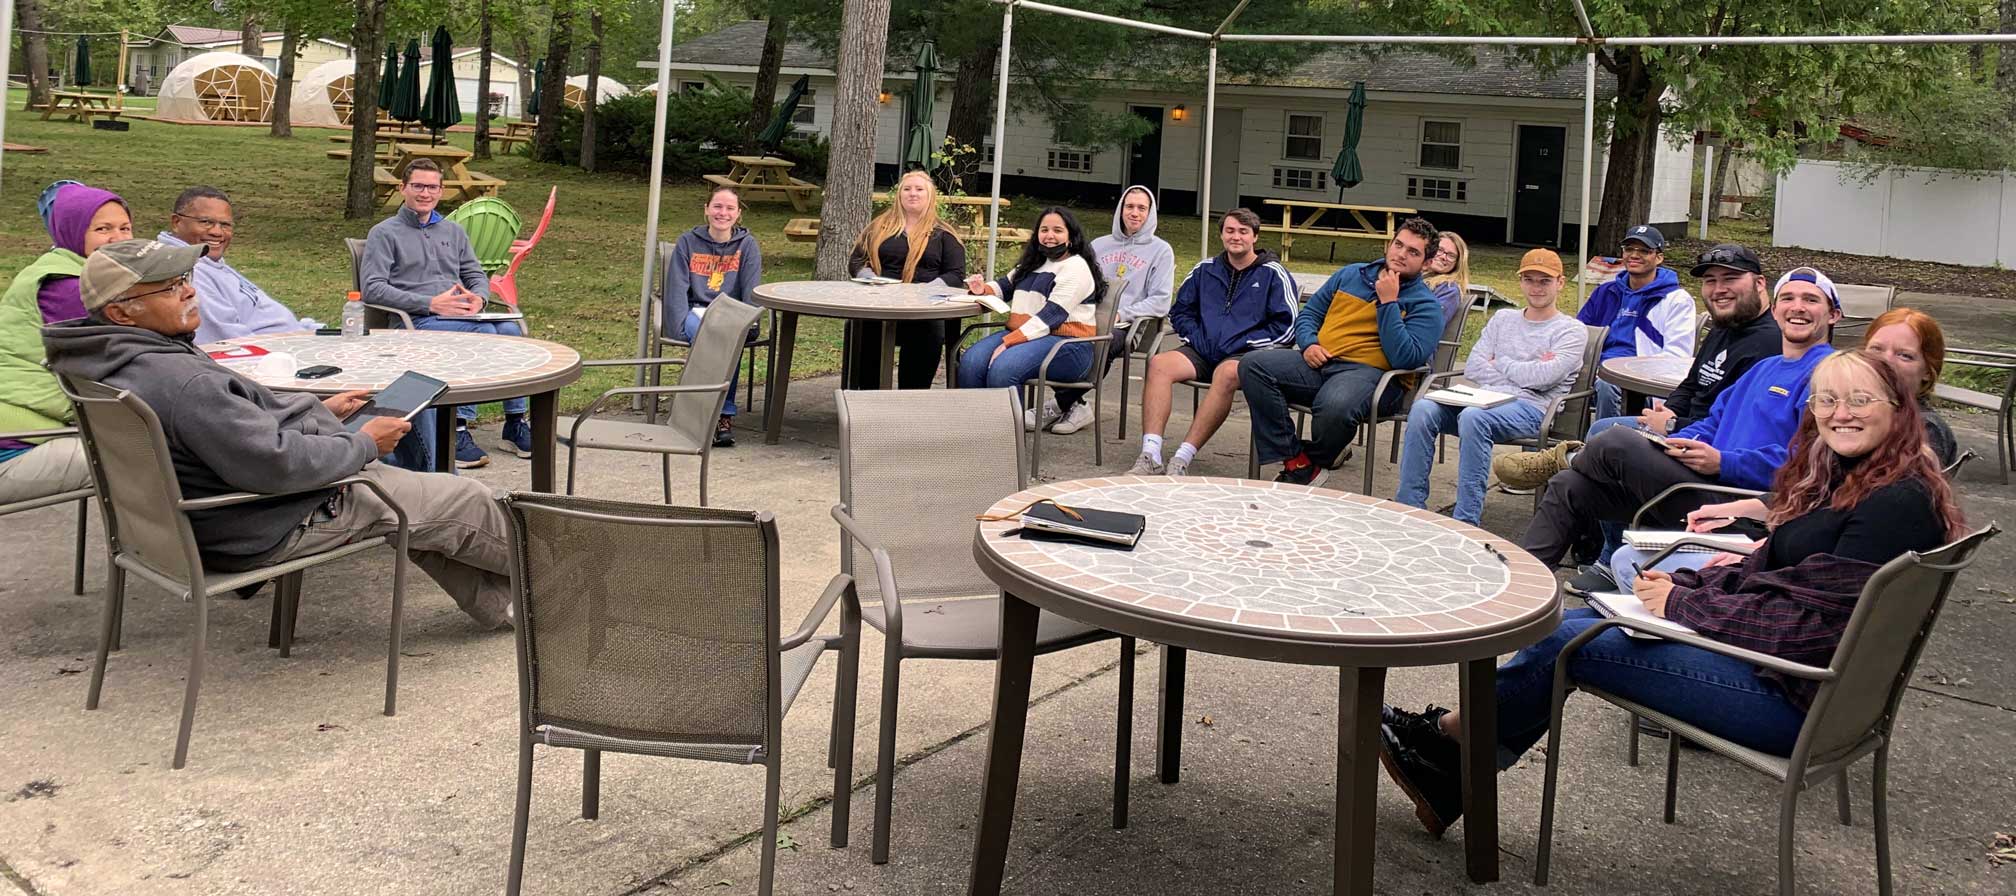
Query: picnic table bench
(80,105)
(457,181)
(514,133)
(965,219)
(1359,227)
(765,177)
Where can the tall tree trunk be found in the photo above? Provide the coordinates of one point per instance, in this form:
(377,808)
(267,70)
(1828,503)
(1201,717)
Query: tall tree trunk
(35,47)
(850,173)
(251,38)
(972,101)
(589,99)
(521,44)
(2005,55)
(546,137)
(283,86)
(763,99)
(367,38)
(1719,180)
(483,47)
(1634,118)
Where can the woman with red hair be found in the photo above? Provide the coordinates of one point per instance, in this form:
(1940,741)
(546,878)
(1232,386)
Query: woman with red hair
(1857,491)
(1911,341)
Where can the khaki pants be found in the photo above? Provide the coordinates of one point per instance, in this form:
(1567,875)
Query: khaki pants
(51,468)
(456,534)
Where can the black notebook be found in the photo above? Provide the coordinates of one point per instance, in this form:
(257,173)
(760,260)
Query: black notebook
(1102,527)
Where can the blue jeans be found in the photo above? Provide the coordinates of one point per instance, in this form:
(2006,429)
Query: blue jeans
(514,407)
(1478,430)
(1718,694)
(1019,363)
(689,328)
(1340,392)
(1627,560)
(415,450)
(1609,400)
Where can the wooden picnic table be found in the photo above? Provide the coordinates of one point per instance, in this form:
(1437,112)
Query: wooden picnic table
(457,181)
(1360,227)
(765,177)
(514,133)
(80,105)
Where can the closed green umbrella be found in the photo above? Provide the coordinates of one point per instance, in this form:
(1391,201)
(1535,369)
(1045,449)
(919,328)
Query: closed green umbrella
(531,109)
(406,94)
(441,109)
(389,81)
(774,133)
(1347,172)
(82,75)
(917,150)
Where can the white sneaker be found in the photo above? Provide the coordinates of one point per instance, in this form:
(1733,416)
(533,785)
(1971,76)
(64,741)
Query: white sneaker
(1079,417)
(1146,466)
(1050,413)
(1179,467)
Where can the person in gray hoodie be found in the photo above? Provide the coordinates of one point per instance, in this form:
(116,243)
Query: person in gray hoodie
(717,258)
(227,433)
(1141,269)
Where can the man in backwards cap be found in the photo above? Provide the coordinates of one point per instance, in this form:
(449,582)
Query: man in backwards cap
(227,433)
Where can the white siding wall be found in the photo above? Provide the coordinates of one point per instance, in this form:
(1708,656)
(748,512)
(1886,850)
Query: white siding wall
(1672,180)
(1952,217)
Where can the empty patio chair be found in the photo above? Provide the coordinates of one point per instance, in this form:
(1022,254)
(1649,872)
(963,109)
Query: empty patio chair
(148,535)
(652,630)
(1853,715)
(916,468)
(492,225)
(2002,404)
(82,496)
(694,404)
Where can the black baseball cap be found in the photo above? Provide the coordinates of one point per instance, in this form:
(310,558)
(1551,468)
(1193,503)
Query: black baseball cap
(1647,234)
(1728,255)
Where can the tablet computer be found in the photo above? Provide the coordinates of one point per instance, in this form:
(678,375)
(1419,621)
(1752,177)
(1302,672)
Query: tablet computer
(405,398)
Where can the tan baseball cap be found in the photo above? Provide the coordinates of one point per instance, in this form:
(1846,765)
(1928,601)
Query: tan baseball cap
(115,267)
(1542,260)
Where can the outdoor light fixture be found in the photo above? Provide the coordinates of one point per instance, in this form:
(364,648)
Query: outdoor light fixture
(882,98)
(1177,114)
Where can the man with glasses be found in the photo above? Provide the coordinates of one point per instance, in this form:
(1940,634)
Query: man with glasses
(421,263)
(227,433)
(1741,441)
(232,304)
(1645,309)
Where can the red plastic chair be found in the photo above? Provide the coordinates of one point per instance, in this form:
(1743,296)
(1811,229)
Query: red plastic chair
(504,287)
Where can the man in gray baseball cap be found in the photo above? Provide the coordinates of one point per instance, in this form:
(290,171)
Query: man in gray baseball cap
(227,433)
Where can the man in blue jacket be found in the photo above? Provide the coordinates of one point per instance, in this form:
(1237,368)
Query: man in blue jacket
(1366,319)
(1231,304)
(1741,442)
(1645,308)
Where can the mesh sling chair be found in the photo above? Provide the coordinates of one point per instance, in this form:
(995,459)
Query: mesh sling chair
(914,472)
(375,316)
(1852,716)
(1568,416)
(2002,404)
(148,535)
(1100,342)
(672,312)
(695,401)
(609,655)
(1142,336)
(82,496)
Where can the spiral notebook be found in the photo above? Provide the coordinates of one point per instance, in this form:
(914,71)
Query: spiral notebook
(1617,605)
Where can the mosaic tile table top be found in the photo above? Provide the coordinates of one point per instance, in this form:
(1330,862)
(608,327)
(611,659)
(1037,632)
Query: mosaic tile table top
(1272,558)
(1655,374)
(845,298)
(466,361)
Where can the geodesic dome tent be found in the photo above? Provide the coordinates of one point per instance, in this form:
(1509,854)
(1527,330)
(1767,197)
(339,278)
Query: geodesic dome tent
(605,89)
(217,87)
(323,96)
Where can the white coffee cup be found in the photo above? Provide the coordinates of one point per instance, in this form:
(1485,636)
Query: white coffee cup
(277,366)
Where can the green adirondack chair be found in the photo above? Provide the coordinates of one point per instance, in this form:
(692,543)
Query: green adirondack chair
(491,224)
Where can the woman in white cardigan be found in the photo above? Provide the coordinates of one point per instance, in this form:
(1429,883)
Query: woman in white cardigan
(1052,294)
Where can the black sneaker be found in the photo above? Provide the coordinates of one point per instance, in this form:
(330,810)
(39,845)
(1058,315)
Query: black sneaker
(1427,764)
(724,433)
(1308,474)
(1593,579)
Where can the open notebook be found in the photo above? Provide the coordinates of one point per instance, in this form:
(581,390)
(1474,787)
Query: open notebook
(1617,605)
(1463,396)
(493,310)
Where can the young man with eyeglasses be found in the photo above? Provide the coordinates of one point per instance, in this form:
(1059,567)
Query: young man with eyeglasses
(227,433)
(1741,441)
(232,304)
(422,263)
(1647,311)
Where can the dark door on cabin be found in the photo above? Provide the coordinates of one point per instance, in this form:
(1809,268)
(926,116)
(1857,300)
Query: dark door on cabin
(1144,158)
(1536,186)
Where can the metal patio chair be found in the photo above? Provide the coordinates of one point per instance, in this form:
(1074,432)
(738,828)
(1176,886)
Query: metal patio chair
(1100,342)
(652,630)
(82,496)
(375,316)
(2003,405)
(666,332)
(1568,416)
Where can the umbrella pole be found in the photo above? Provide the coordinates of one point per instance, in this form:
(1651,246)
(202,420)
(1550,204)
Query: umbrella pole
(657,190)
(119,92)
(1000,135)
(1210,120)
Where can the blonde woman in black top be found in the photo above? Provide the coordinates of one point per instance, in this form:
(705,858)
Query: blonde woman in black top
(906,242)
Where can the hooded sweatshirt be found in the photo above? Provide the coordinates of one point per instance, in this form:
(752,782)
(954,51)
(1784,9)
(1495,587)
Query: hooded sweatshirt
(1754,418)
(1726,354)
(1346,317)
(1140,266)
(1655,319)
(225,433)
(1221,312)
(69,223)
(701,269)
(232,304)
(407,262)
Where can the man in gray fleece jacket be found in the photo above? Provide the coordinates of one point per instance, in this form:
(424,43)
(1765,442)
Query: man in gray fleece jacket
(227,433)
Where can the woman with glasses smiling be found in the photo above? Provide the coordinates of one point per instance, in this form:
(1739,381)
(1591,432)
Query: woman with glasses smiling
(1858,491)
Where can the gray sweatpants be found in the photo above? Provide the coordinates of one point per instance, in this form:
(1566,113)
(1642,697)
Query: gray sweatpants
(456,534)
(51,468)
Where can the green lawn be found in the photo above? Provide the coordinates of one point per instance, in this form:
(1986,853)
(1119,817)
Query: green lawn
(581,284)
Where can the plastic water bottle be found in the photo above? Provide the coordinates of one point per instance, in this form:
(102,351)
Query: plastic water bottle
(353,315)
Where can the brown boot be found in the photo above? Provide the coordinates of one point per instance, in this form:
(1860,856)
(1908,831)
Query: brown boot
(1532,469)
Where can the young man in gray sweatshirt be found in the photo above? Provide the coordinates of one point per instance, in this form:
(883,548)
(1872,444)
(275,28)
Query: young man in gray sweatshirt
(422,264)
(1141,270)
(227,433)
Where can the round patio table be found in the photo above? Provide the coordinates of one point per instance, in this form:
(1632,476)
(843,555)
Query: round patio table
(846,300)
(1654,376)
(478,368)
(1282,573)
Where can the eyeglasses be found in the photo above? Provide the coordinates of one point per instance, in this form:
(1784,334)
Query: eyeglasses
(210,223)
(424,188)
(1858,404)
(174,285)
(1636,251)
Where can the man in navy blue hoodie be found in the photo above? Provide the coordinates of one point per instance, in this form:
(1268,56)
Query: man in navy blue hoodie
(1645,308)
(1230,304)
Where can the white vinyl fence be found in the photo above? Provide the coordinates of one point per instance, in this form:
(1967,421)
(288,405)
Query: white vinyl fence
(1925,214)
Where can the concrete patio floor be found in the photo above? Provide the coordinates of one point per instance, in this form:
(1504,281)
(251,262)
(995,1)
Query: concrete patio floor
(296,783)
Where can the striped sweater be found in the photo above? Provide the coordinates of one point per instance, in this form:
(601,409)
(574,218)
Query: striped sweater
(1053,300)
